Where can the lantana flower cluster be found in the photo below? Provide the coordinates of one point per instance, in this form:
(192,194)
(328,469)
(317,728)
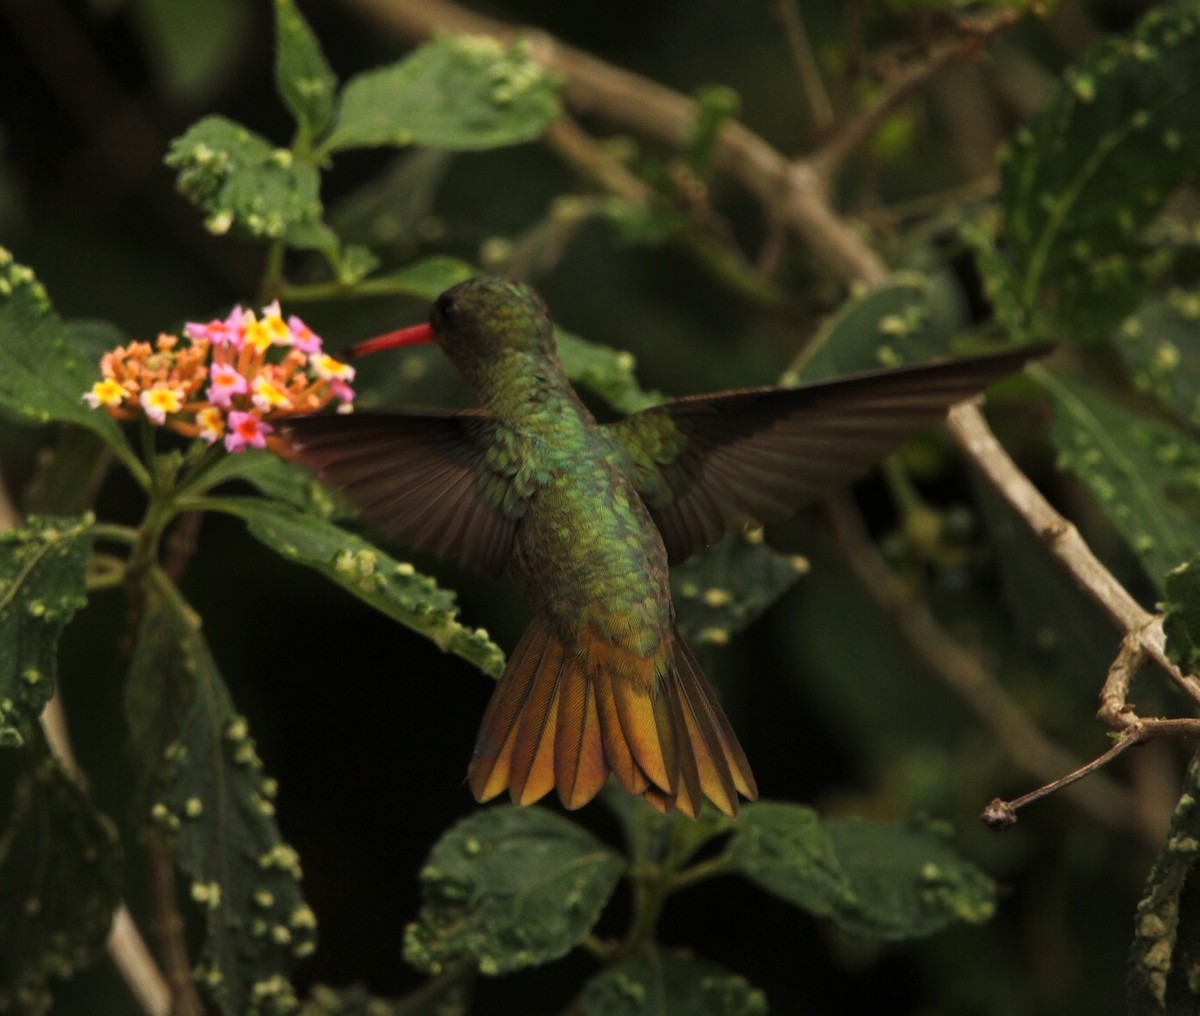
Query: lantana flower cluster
(224,380)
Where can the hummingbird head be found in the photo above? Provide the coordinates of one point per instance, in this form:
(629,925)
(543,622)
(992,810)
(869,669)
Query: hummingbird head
(479,324)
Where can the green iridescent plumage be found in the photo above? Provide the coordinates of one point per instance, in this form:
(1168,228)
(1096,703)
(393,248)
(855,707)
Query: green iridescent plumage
(588,516)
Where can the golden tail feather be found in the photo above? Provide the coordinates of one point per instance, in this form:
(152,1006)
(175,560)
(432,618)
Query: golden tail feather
(566,713)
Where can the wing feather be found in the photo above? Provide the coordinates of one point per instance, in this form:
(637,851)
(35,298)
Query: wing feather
(709,464)
(426,479)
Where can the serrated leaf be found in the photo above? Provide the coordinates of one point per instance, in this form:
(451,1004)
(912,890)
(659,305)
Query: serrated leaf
(392,587)
(45,373)
(909,319)
(1166,947)
(462,93)
(305,81)
(874,881)
(659,982)
(729,586)
(60,878)
(1160,345)
(509,888)
(206,799)
(244,182)
(1144,473)
(1092,169)
(1181,615)
(43,572)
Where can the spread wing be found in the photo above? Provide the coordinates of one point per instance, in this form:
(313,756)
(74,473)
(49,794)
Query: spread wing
(710,464)
(434,482)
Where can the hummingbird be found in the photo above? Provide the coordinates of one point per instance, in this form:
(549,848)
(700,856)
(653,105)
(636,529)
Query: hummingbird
(588,517)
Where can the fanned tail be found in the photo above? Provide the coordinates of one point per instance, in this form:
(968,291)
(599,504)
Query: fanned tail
(567,712)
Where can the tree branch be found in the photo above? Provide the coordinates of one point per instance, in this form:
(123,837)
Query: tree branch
(795,195)
(967,676)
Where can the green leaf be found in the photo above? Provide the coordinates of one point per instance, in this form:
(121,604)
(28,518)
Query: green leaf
(43,571)
(909,319)
(907,881)
(45,372)
(1093,168)
(509,888)
(426,279)
(668,840)
(1181,615)
(715,106)
(279,480)
(1161,347)
(729,586)
(447,995)
(392,587)
(463,93)
(305,81)
(244,182)
(606,371)
(207,800)
(658,982)
(785,849)
(873,881)
(1144,473)
(60,878)
(1166,947)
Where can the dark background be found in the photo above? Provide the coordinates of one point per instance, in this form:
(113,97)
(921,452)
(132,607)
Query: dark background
(369,728)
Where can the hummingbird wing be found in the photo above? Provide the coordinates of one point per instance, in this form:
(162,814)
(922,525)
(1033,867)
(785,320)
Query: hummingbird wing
(710,464)
(438,482)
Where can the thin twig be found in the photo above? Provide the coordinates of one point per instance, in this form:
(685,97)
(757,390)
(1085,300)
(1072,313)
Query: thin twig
(906,82)
(137,966)
(1062,540)
(169,930)
(812,85)
(967,676)
(1000,815)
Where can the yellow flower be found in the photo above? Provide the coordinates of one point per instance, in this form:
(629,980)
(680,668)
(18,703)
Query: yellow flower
(105,393)
(158,402)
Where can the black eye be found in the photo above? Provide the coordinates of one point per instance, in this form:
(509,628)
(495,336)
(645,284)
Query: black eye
(444,308)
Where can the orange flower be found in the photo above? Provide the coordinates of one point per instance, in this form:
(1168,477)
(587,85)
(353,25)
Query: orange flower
(163,383)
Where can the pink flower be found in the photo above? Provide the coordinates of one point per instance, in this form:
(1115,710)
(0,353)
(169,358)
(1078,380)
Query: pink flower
(307,341)
(225,381)
(246,431)
(219,333)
